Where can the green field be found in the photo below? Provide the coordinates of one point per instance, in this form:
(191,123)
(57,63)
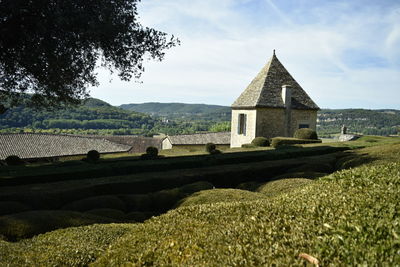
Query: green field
(268,207)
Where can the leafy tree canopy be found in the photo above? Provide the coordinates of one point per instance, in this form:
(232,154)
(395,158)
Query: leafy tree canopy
(49,48)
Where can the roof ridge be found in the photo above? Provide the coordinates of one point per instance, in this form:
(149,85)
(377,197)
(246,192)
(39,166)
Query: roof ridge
(267,68)
(199,133)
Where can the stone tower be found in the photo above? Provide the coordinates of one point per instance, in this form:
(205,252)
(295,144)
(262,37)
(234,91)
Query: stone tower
(274,104)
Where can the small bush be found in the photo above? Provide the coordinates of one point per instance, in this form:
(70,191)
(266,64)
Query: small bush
(260,141)
(210,147)
(305,133)
(248,146)
(13,160)
(152,151)
(284,141)
(93,156)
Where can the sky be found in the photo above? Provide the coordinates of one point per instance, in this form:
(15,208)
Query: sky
(344,54)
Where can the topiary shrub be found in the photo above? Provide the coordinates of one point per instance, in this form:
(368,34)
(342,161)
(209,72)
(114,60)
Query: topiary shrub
(92,156)
(14,160)
(260,141)
(151,153)
(305,133)
(210,147)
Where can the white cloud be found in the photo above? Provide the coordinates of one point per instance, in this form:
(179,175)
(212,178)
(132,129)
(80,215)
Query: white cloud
(224,46)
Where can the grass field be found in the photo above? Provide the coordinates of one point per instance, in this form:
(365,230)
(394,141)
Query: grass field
(347,217)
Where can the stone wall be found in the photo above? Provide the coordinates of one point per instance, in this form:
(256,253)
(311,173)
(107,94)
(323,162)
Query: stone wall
(270,122)
(238,139)
(303,117)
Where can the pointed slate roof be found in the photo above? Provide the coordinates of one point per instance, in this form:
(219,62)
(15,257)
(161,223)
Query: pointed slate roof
(266,89)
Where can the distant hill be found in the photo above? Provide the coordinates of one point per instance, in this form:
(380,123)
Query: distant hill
(182,111)
(93,114)
(365,121)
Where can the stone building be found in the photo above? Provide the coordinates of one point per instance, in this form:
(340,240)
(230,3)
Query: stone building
(197,141)
(274,104)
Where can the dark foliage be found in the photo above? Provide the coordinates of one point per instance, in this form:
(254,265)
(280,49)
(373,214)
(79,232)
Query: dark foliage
(260,141)
(50,48)
(93,156)
(282,141)
(305,133)
(210,147)
(152,151)
(13,160)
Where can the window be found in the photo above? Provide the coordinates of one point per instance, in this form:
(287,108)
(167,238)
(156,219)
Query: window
(242,124)
(304,126)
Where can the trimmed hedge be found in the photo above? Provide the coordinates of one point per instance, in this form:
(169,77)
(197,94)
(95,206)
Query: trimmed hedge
(305,133)
(27,224)
(282,141)
(98,202)
(278,187)
(260,141)
(14,160)
(121,167)
(9,207)
(219,195)
(74,246)
(108,213)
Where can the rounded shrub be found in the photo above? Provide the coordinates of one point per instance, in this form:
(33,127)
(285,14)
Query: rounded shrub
(210,147)
(260,141)
(305,133)
(152,151)
(93,155)
(13,160)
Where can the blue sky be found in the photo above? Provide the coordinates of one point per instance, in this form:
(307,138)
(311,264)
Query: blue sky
(345,54)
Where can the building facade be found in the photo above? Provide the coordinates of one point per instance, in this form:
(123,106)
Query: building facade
(274,104)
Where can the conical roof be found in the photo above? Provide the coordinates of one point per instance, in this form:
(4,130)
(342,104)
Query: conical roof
(266,89)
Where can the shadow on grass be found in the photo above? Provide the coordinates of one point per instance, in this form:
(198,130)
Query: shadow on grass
(124,202)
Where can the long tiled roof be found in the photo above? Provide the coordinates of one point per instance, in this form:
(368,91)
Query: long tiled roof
(221,138)
(139,144)
(30,146)
(266,89)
